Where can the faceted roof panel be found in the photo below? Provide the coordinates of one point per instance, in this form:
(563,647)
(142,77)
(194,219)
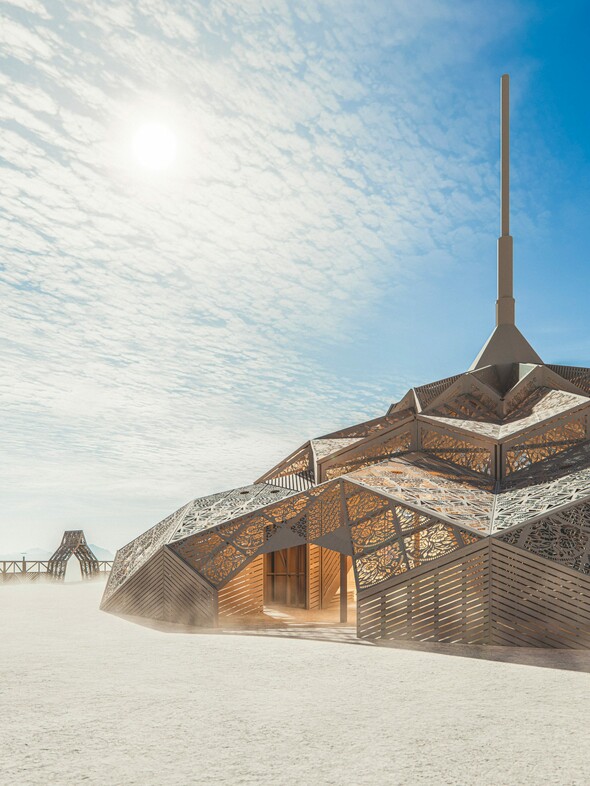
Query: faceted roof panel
(544,487)
(577,375)
(206,512)
(371,427)
(325,447)
(427,393)
(459,495)
(542,404)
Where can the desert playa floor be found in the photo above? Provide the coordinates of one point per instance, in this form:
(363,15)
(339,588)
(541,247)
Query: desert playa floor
(88,698)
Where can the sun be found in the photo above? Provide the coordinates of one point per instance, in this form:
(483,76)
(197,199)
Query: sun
(154,146)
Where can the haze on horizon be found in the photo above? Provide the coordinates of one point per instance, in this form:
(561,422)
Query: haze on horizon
(322,238)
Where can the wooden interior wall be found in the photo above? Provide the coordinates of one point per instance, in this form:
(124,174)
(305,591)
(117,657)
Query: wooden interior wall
(167,590)
(314,576)
(323,578)
(330,576)
(244,594)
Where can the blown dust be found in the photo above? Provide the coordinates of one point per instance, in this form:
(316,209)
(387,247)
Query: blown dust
(91,698)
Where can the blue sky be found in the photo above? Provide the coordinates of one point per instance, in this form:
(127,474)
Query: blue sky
(325,239)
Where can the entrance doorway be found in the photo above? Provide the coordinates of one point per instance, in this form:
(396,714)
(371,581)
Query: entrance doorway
(285,578)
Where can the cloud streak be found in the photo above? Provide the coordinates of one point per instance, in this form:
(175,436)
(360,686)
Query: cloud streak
(168,336)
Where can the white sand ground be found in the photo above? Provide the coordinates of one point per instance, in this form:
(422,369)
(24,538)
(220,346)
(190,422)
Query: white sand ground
(90,698)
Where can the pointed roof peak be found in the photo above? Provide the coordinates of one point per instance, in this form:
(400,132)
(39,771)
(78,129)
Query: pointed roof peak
(505,345)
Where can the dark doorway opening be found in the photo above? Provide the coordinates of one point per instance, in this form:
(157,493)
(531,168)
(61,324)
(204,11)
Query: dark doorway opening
(285,577)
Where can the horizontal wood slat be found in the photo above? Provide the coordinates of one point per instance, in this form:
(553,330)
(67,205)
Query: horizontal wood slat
(168,590)
(244,594)
(447,603)
(537,603)
(492,593)
(314,587)
(330,576)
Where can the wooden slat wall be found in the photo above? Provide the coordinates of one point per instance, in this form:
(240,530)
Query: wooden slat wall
(188,598)
(142,595)
(244,594)
(446,601)
(330,576)
(536,602)
(168,590)
(314,576)
(493,593)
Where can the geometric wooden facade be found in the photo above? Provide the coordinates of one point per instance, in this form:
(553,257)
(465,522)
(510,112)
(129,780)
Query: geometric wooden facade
(465,508)
(480,534)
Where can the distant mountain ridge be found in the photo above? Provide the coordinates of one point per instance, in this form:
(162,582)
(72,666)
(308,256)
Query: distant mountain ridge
(36,554)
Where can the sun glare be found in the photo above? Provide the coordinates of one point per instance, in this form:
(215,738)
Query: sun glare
(154,146)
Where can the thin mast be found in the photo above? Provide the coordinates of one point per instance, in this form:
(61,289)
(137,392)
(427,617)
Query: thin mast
(505,302)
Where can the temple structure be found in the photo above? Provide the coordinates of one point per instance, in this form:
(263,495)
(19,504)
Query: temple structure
(463,512)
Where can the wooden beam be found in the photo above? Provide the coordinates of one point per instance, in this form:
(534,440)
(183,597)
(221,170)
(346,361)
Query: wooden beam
(343,588)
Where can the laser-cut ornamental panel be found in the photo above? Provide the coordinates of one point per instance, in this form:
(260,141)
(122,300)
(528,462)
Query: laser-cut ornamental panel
(131,557)
(445,602)
(390,539)
(533,448)
(463,496)
(472,404)
(543,487)
(457,450)
(563,537)
(325,447)
(543,404)
(521,391)
(219,553)
(371,428)
(367,453)
(296,472)
(206,512)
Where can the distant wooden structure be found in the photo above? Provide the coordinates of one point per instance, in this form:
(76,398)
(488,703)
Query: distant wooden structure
(73,543)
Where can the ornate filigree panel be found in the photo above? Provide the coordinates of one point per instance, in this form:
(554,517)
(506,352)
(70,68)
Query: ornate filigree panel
(132,556)
(325,447)
(521,391)
(544,445)
(543,487)
(563,537)
(218,553)
(473,404)
(457,450)
(296,472)
(541,405)
(365,455)
(205,512)
(389,539)
(371,428)
(425,482)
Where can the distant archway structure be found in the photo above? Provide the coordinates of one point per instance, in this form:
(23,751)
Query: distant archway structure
(73,543)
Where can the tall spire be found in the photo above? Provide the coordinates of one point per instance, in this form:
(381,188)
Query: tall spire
(505,302)
(506,344)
